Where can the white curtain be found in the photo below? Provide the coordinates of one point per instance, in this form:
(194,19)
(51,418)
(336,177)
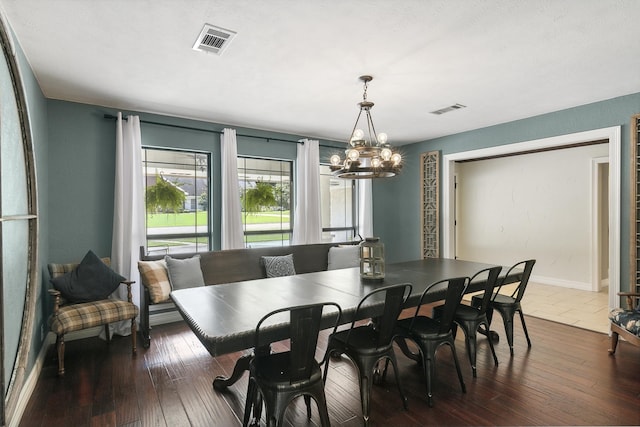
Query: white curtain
(128,211)
(231,227)
(365,208)
(307,222)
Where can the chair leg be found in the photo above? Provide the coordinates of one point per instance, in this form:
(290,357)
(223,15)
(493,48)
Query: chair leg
(257,408)
(455,360)
(106,332)
(134,332)
(324,413)
(60,349)
(493,350)
(307,401)
(144,320)
(614,342)
(365,370)
(248,406)
(429,367)
(394,362)
(365,393)
(507,317)
(321,402)
(470,339)
(328,355)
(524,326)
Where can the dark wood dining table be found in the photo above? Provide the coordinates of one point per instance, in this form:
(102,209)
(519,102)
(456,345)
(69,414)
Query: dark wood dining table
(224,317)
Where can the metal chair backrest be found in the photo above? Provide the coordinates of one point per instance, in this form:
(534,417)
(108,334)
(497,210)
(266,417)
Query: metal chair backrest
(491,279)
(526,266)
(454,289)
(304,324)
(393,297)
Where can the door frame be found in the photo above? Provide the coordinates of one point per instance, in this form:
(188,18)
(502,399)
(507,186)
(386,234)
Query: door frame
(596,221)
(612,134)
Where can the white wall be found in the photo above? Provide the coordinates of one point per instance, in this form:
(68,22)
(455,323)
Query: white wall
(530,206)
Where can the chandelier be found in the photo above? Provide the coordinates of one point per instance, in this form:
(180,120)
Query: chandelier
(368,154)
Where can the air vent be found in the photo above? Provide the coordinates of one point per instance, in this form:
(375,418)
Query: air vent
(448,109)
(213,39)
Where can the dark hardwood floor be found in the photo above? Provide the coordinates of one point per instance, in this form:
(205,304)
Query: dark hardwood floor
(566,378)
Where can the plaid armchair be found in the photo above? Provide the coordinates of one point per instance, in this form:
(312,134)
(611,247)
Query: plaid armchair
(68,316)
(625,322)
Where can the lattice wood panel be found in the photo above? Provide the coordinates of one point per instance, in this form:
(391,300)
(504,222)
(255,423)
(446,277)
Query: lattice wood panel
(430,207)
(635,203)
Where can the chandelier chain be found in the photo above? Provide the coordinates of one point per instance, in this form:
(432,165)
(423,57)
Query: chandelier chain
(364,94)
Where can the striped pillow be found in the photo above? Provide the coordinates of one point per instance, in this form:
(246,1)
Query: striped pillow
(154,276)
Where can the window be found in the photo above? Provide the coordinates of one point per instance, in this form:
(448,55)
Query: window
(337,202)
(177,201)
(265,200)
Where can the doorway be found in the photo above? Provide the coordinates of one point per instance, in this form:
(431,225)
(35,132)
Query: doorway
(612,135)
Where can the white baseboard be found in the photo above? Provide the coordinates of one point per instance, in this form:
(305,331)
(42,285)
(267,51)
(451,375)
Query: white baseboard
(543,280)
(31,382)
(162,318)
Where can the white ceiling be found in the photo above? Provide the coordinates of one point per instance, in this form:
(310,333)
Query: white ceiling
(294,65)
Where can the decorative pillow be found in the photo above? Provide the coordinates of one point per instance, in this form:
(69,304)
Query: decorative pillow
(154,277)
(184,273)
(343,257)
(92,280)
(278,266)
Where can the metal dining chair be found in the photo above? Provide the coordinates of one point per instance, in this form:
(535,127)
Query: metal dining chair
(470,318)
(508,305)
(277,378)
(431,333)
(368,344)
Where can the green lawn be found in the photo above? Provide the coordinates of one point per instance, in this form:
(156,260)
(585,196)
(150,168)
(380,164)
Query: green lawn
(187,219)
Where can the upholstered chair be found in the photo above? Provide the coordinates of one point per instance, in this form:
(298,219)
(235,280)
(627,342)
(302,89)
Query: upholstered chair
(81,300)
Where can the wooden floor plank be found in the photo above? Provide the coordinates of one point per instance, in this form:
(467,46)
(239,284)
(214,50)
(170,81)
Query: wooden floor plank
(566,378)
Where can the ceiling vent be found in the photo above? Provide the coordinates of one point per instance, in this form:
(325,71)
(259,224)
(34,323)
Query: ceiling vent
(448,109)
(213,39)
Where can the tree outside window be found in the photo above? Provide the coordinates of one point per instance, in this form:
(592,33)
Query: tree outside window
(265,199)
(176,200)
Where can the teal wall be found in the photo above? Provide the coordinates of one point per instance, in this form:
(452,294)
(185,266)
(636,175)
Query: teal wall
(82,157)
(398,227)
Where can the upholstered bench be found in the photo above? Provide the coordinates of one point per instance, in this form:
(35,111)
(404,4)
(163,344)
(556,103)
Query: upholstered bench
(228,266)
(70,316)
(625,322)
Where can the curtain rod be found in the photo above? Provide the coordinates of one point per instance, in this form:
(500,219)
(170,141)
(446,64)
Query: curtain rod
(110,116)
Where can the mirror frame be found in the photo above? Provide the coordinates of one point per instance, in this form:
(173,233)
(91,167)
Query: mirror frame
(14,388)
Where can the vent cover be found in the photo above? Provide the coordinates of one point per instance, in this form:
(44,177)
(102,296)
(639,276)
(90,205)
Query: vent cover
(448,109)
(213,39)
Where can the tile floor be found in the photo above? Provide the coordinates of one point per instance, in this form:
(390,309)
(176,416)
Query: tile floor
(584,309)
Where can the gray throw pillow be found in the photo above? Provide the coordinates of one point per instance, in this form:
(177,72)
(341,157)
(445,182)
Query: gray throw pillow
(91,280)
(279,266)
(184,273)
